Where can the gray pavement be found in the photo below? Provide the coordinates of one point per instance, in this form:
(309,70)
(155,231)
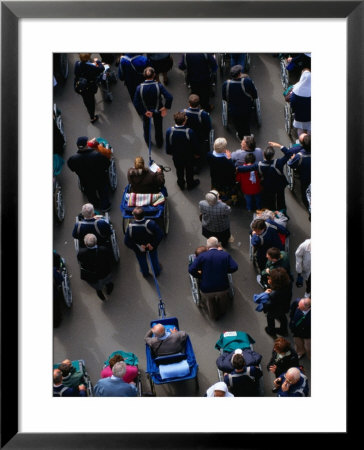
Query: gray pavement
(92,329)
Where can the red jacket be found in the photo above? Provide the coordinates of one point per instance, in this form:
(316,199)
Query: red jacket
(246,185)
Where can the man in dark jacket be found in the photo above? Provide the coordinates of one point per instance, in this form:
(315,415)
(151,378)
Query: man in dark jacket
(131,67)
(95,265)
(92,169)
(60,390)
(300,325)
(165,342)
(243,380)
(264,236)
(90,223)
(149,104)
(212,267)
(199,67)
(144,236)
(239,92)
(182,144)
(301,161)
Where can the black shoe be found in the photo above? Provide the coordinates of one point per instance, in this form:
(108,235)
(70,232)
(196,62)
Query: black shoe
(160,270)
(146,275)
(194,184)
(94,119)
(181,186)
(100,295)
(109,288)
(159,144)
(271,333)
(282,332)
(275,390)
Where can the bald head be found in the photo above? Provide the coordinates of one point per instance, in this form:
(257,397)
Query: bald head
(57,376)
(293,375)
(212,242)
(158,330)
(304,304)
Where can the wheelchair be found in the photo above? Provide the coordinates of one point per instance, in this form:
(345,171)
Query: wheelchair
(255,109)
(195,284)
(111,243)
(171,368)
(132,360)
(283,72)
(288,113)
(58,205)
(79,365)
(62,293)
(159,213)
(107,78)
(60,67)
(224,63)
(57,117)
(231,340)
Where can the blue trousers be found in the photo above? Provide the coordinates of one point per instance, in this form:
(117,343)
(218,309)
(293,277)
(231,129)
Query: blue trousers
(143,263)
(249,201)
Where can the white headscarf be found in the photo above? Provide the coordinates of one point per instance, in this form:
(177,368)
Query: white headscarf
(303,87)
(220,386)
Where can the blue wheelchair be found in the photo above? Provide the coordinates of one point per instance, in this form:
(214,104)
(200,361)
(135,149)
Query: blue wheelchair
(171,368)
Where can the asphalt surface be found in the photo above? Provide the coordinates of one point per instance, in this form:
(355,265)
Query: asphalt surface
(91,330)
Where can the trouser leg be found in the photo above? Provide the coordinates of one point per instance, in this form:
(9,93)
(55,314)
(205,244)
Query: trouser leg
(180,171)
(299,345)
(249,202)
(158,129)
(104,197)
(142,260)
(271,323)
(146,128)
(89,101)
(154,259)
(281,202)
(189,172)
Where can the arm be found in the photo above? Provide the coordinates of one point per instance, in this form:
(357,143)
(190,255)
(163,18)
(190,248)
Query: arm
(232,265)
(181,64)
(250,87)
(168,98)
(157,233)
(168,144)
(212,63)
(250,168)
(194,268)
(137,101)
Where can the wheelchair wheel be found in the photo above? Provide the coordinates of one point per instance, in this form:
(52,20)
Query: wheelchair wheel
(81,188)
(63,63)
(258,113)
(112,175)
(58,203)
(211,139)
(196,296)
(288,118)
(57,308)
(286,245)
(247,63)
(222,63)
(115,247)
(289,173)
(152,386)
(66,289)
(126,222)
(231,287)
(166,217)
(224,115)
(284,75)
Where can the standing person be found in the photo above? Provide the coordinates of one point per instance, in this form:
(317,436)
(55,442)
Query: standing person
(264,236)
(300,100)
(215,217)
(273,178)
(303,266)
(115,386)
(300,326)
(222,170)
(275,258)
(91,223)
(239,92)
(247,145)
(92,169)
(161,63)
(301,161)
(280,294)
(199,67)
(213,267)
(283,358)
(95,266)
(144,236)
(149,104)
(199,121)
(182,144)
(85,82)
(250,185)
(131,67)
(142,180)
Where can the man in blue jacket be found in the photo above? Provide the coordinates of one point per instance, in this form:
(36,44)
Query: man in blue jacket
(199,67)
(144,236)
(182,144)
(293,383)
(115,386)
(212,267)
(264,236)
(149,104)
(239,92)
(130,71)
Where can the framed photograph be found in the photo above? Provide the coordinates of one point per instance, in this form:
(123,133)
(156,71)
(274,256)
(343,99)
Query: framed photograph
(30,33)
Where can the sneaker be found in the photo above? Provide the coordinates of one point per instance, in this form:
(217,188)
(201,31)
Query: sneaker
(192,186)
(100,295)
(109,288)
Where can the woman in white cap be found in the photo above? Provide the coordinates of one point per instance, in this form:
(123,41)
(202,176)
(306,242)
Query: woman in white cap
(300,100)
(218,390)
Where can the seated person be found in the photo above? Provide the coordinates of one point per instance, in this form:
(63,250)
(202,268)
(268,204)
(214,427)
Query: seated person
(142,180)
(130,374)
(264,236)
(243,380)
(60,390)
(90,223)
(225,361)
(165,342)
(115,386)
(275,258)
(218,390)
(99,146)
(71,377)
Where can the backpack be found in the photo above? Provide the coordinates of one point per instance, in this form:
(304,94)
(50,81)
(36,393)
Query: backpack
(81,85)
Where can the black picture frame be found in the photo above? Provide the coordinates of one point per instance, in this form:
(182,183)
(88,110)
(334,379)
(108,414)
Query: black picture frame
(11,12)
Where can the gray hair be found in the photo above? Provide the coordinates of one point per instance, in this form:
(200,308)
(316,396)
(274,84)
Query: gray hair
(212,197)
(90,240)
(220,145)
(212,242)
(119,369)
(88,211)
(294,373)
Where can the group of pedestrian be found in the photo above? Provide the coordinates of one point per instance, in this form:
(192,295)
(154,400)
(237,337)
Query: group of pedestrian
(254,171)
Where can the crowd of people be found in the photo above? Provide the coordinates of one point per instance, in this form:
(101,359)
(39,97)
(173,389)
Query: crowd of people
(251,177)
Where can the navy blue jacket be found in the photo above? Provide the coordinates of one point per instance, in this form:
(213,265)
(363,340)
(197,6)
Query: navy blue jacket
(299,389)
(299,324)
(222,171)
(269,238)
(301,107)
(272,171)
(89,71)
(60,391)
(302,162)
(251,358)
(99,227)
(239,102)
(215,265)
(199,66)
(200,122)
(148,97)
(91,166)
(142,232)
(279,301)
(244,384)
(131,68)
(181,143)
